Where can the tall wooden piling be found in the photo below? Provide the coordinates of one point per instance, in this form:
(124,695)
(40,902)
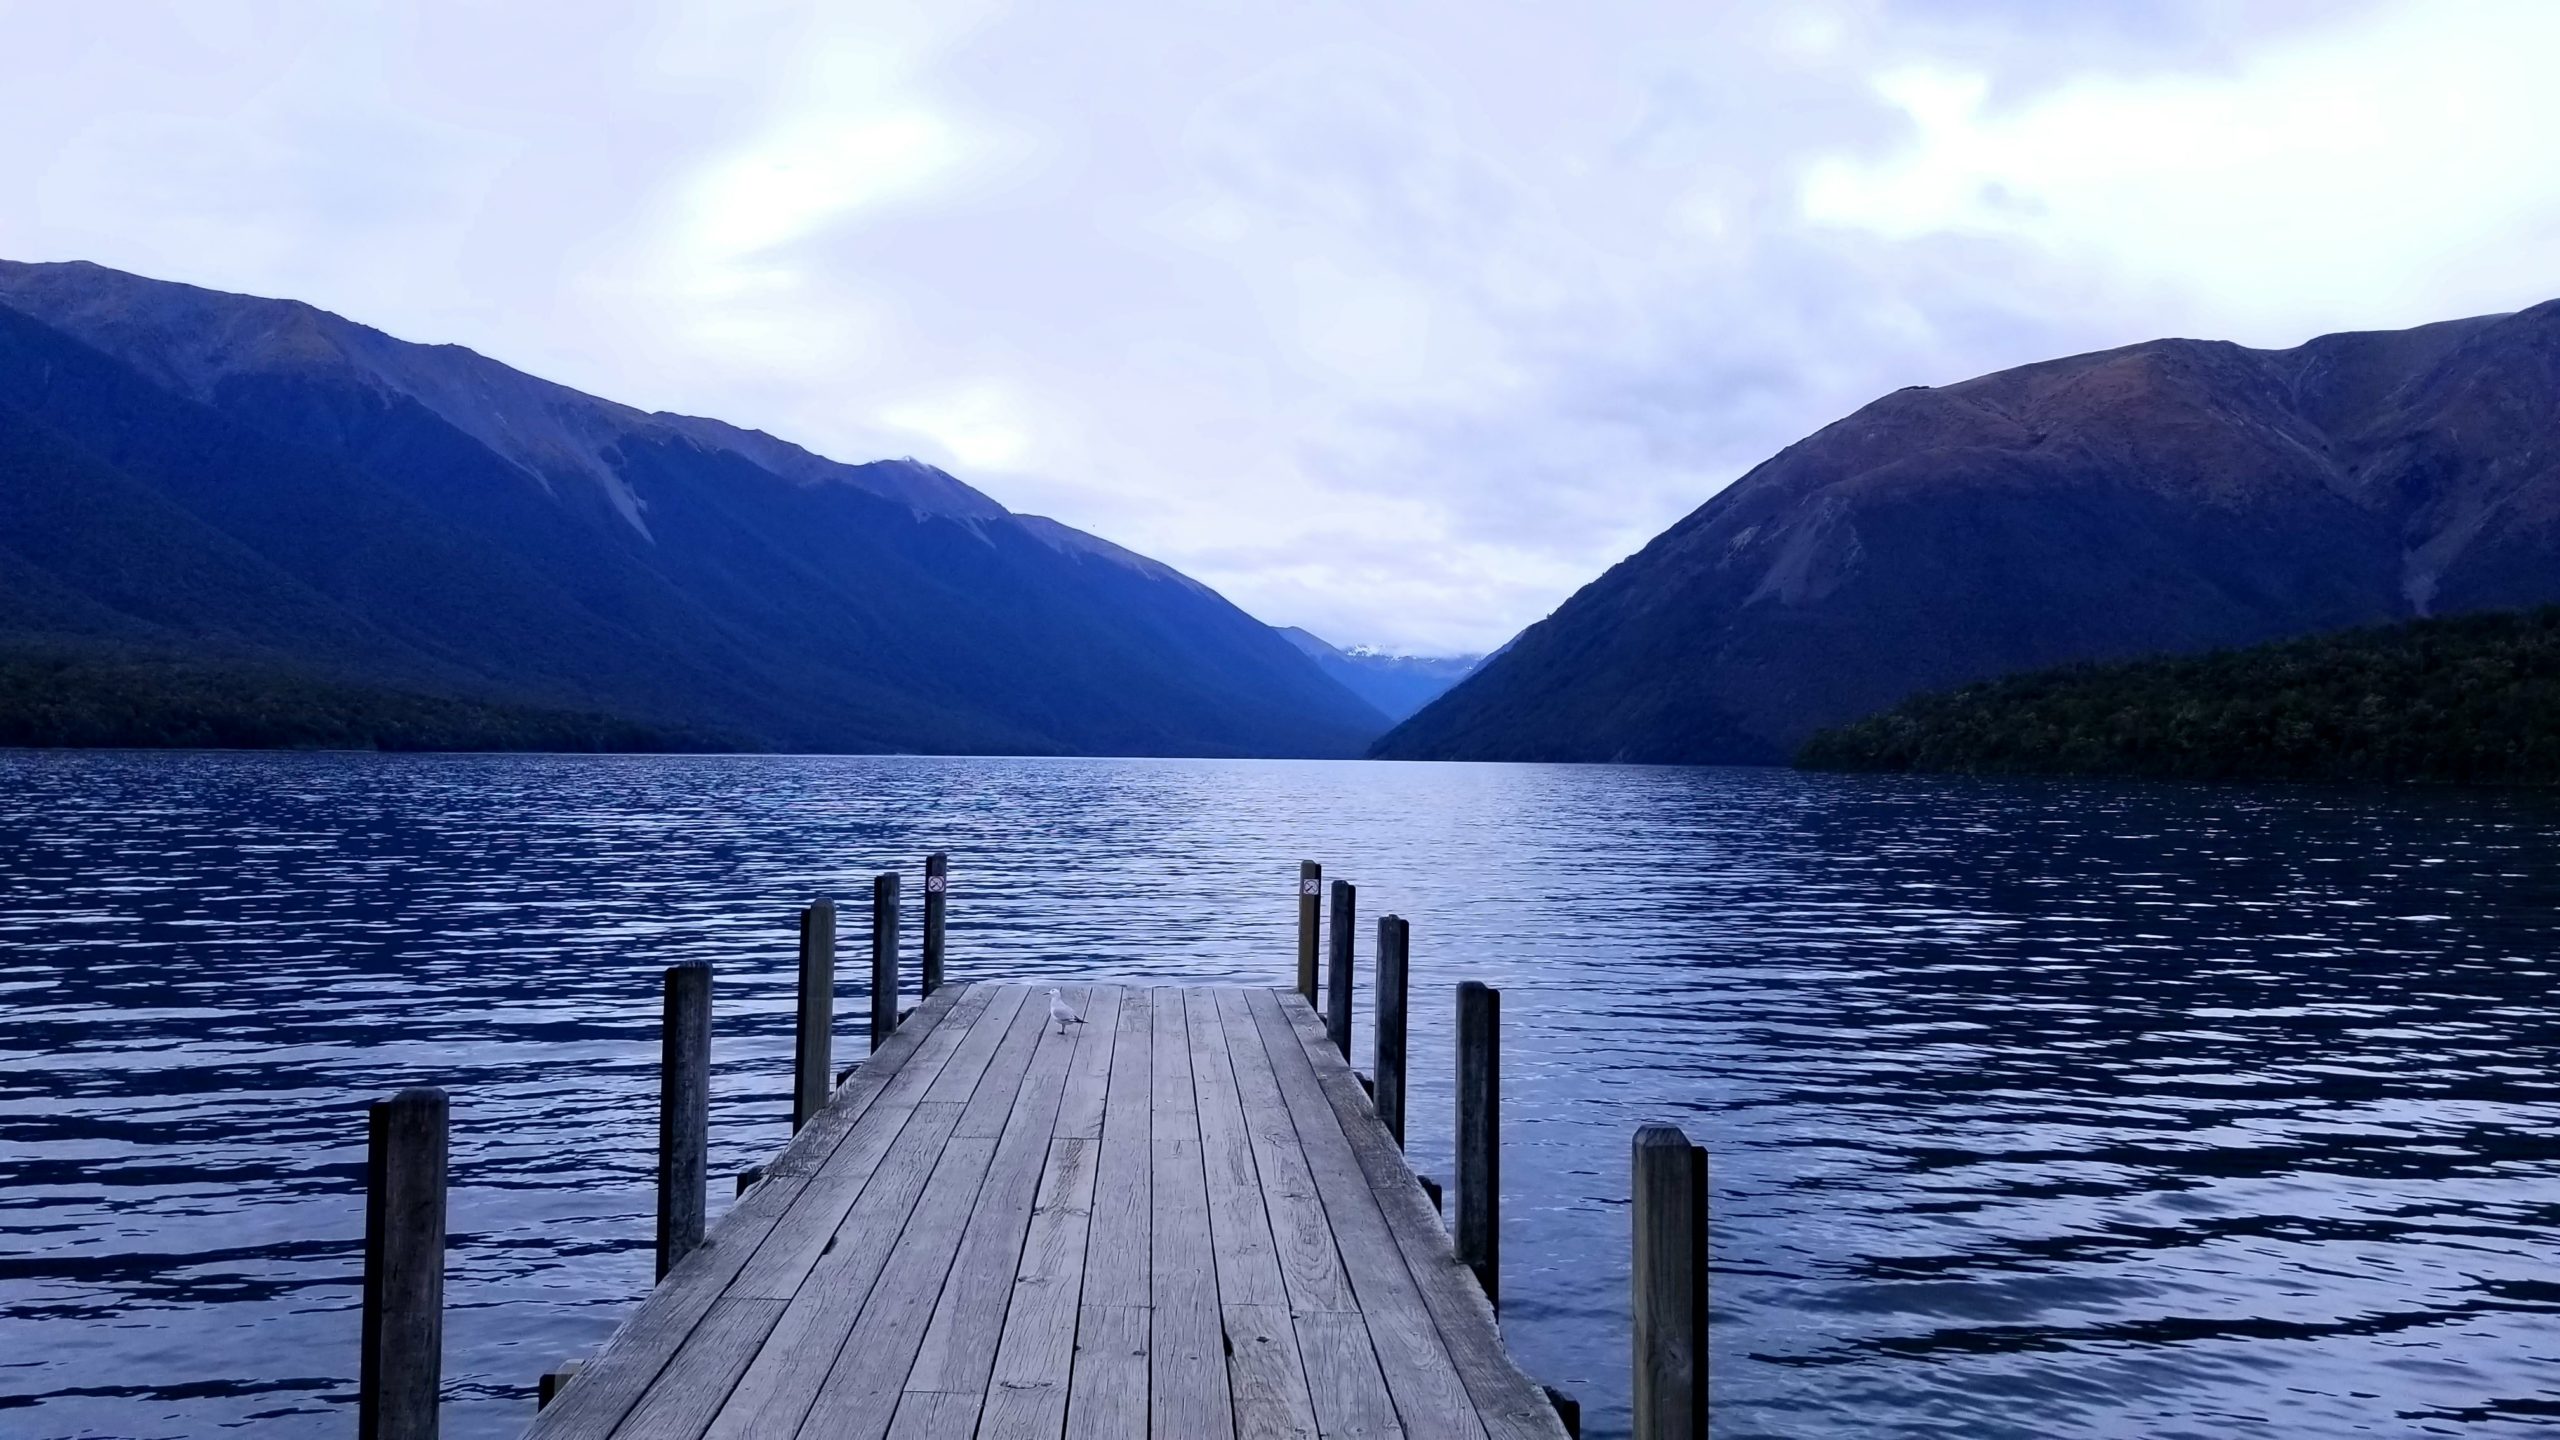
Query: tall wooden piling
(937,887)
(1310,921)
(402,1364)
(1388,1066)
(884,958)
(684,1112)
(1670,1282)
(814,1052)
(1479,1237)
(1337,984)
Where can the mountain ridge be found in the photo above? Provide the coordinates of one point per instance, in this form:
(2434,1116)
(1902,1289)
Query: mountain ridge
(594,562)
(2166,497)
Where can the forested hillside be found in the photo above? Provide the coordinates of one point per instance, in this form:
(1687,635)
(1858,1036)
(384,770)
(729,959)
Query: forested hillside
(2470,700)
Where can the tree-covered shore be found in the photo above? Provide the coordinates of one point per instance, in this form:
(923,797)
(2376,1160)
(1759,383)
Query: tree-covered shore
(145,700)
(2472,699)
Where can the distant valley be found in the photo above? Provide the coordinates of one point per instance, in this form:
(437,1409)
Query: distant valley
(260,499)
(2166,498)
(1397,685)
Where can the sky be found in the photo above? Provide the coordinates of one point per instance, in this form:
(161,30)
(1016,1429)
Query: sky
(1400,320)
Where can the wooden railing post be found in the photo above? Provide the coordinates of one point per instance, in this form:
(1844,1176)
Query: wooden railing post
(1394,936)
(1479,1237)
(684,1112)
(884,958)
(1310,919)
(1337,984)
(814,1051)
(937,886)
(1670,1191)
(402,1363)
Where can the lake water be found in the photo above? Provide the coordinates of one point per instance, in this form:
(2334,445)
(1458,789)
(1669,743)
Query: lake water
(2038,1109)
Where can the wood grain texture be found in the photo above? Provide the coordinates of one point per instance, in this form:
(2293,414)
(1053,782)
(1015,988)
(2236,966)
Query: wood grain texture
(783,1382)
(959,1348)
(1186,1352)
(860,1389)
(1117,1251)
(1507,1402)
(1109,1398)
(613,1383)
(1350,1395)
(1430,1399)
(1302,1238)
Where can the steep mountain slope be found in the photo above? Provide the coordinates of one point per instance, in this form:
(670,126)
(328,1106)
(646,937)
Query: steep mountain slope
(311,492)
(2174,496)
(1398,685)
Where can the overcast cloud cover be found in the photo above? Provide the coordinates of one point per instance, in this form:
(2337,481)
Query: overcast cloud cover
(1397,320)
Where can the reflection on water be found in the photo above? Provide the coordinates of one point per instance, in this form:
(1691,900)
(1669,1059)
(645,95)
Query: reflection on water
(2038,1109)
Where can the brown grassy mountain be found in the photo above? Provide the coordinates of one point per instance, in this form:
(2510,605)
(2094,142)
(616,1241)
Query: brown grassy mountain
(2174,496)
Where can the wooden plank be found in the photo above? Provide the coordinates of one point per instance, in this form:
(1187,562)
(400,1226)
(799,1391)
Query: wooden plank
(1510,1404)
(690,1390)
(1172,1109)
(1431,1401)
(1264,1378)
(1263,1374)
(1301,1236)
(959,1079)
(1186,1350)
(782,1383)
(861,1386)
(932,1415)
(1351,1397)
(854,1098)
(991,1106)
(959,1347)
(1117,1250)
(1248,1272)
(1089,1077)
(809,1227)
(1035,1357)
(1109,1398)
(613,1383)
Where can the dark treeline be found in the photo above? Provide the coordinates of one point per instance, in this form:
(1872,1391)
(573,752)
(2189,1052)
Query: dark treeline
(144,700)
(2469,700)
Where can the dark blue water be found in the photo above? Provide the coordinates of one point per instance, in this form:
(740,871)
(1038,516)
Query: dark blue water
(2037,1109)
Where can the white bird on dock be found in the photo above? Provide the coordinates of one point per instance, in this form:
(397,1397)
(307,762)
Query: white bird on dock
(1061,1012)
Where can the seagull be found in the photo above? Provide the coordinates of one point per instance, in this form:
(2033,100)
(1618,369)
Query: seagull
(1061,1012)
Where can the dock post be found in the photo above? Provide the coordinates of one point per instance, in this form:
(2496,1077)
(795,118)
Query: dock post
(1670,1191)
(937,886)
(884,958)
(684,1112)
(1393,938)
(1310,917)
(1479,1237)
(402,1365)
(814,1051)
(1337,985)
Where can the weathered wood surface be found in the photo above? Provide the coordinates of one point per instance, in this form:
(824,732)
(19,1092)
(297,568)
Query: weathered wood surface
(1179,1219)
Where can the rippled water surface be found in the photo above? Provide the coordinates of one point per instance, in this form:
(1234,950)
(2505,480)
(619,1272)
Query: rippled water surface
(2037,1109)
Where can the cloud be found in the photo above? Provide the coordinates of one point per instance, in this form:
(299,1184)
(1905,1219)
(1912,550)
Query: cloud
(1396,322)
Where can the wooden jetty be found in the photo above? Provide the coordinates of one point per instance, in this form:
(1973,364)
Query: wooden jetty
(1181,1216)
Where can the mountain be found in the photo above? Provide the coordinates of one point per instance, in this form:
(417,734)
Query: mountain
(1397,685)
(2170,497)
(2474,699)
(218,476)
